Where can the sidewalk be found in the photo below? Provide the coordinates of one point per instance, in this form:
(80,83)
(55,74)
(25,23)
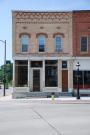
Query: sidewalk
(4,98)
(66,100)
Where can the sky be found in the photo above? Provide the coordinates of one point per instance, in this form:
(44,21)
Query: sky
(6,7)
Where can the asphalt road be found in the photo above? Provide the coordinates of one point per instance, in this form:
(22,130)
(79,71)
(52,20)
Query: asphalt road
(19,117)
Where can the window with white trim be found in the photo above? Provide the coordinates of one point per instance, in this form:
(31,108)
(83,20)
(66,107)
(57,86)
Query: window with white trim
(41,43)
(58,43)
(84,44)
(24,43)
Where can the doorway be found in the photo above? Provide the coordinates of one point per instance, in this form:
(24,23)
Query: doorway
(36,80)
(64,80)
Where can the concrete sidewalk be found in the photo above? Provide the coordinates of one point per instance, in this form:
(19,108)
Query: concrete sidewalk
(4,98)
(71,100)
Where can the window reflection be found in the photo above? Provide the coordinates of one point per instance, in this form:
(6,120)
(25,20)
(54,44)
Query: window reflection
(24,43)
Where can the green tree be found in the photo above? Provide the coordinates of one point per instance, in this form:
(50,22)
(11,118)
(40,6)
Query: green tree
(9,69)
(1,75)
(8,74)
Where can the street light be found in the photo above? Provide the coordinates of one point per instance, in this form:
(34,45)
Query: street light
(4,79)
(78,95)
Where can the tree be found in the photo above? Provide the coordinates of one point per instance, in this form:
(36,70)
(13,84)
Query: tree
(8,74)
(9,69)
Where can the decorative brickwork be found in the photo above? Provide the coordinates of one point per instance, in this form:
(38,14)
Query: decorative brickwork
(42,17)
(38,34)
(58,33)
(24,33)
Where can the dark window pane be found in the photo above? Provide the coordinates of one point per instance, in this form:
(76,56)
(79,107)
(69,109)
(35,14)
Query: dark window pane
(41,48)
(83,44)
(64,64)
(51,62)
(80,79)
(36,63)
(21,73)
(50,76)
(24,48)
(86,79)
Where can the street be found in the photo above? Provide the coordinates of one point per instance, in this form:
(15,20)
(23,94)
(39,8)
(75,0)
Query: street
(26,117)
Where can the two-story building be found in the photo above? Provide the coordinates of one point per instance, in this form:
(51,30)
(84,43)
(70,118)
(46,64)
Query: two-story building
(42,53)
(81,49)
(46,48)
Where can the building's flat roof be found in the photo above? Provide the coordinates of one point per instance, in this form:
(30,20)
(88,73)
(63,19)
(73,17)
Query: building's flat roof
(81,11)
(50,11)
(40,11)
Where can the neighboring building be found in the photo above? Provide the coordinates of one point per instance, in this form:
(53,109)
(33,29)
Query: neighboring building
(42,53)
(81,49)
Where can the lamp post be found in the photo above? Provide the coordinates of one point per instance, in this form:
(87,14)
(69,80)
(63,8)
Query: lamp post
(4,79)
(78,95)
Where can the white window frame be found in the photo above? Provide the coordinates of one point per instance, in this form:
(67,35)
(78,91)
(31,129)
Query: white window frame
(39,44)
(58,49)
(22,44)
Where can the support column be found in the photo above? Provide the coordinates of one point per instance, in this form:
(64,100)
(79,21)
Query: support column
(13,73)
(70,75)
(59,75)
(29,75)
(43,75)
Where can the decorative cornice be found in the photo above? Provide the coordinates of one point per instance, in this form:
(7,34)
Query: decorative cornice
(42,17)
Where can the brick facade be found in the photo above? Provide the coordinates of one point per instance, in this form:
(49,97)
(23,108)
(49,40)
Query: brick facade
(70,27)
(48,23)
(81,27)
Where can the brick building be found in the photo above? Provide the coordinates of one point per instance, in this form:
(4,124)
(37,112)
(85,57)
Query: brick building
(81,49)
(46,47)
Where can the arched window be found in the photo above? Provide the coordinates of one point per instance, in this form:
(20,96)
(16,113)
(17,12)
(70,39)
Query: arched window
(24,43)
(58,43)
(41,43)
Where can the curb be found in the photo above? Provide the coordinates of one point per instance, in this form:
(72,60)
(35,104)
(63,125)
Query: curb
(63,100)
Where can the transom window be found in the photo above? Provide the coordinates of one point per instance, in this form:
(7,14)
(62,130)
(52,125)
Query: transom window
(84,46)
(58,43)
(24,43)
(41,43)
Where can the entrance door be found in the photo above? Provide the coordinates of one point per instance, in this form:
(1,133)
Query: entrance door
(36,80)
(64,80)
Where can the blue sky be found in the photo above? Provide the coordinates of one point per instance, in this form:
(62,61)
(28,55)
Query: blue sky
(6,6)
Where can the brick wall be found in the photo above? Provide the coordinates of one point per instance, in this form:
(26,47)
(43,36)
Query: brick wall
(42,22)
(81,27)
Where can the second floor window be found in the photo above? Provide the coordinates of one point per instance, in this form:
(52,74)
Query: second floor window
(41,43)
(84,44)
(58,43)
(24,43)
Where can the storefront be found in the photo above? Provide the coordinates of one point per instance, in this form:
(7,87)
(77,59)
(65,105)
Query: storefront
(48,75)
(84,75)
